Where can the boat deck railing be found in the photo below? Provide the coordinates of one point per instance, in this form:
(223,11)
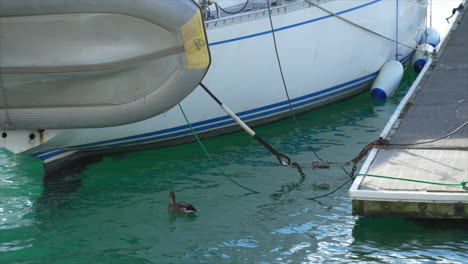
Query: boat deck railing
(254,10)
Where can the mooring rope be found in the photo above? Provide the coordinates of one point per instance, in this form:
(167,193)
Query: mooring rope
(462,183)
(380,142)
(383,143)
(397,29)
(291,109)
(7,125)
(433,140)
(283,159)
(364,28)
(430,14)
(209,155)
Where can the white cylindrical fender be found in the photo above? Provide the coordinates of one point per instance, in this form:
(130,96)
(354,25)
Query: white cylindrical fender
(387,80)
(430,36)
(421,56)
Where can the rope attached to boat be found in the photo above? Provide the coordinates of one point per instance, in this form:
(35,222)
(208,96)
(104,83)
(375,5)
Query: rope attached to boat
(463,183)
(283,159)
(321,164)
(430,14)
(380,142)
(7,125)
(291,109)
(364,28)
(433,140)
(397,29)
(209,155)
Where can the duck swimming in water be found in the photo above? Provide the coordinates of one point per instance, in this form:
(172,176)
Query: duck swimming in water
(180,207)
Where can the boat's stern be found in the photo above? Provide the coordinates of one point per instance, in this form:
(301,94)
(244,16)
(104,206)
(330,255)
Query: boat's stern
(23,141)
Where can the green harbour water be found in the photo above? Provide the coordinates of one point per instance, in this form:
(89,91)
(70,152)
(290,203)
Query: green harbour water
(115,210)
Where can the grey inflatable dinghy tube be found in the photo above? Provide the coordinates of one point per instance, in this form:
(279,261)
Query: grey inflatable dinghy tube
(97,63)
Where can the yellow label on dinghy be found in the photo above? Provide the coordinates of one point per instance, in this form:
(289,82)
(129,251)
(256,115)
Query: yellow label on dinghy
(195,43)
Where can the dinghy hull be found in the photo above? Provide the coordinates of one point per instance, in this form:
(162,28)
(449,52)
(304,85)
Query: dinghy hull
(85,64)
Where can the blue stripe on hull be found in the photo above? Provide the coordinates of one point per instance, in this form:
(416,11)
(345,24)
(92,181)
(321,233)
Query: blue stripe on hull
(293,25)
(215,123)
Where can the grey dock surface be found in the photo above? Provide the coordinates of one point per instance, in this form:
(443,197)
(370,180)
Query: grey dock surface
(436,105)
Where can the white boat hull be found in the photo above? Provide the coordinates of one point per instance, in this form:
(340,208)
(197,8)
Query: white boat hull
(324,59)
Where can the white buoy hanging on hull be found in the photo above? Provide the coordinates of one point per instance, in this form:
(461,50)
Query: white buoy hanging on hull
(430,36)
(387,80)
(421,56)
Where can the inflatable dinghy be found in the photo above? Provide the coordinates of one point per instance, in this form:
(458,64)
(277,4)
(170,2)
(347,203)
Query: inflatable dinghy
(97,63)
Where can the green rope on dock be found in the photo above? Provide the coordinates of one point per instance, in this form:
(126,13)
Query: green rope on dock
(462,183)
(209,155)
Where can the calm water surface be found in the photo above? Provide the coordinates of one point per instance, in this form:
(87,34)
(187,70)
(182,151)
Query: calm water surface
(115,211)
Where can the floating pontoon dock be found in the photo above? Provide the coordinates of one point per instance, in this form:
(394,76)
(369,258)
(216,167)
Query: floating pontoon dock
(435,105)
